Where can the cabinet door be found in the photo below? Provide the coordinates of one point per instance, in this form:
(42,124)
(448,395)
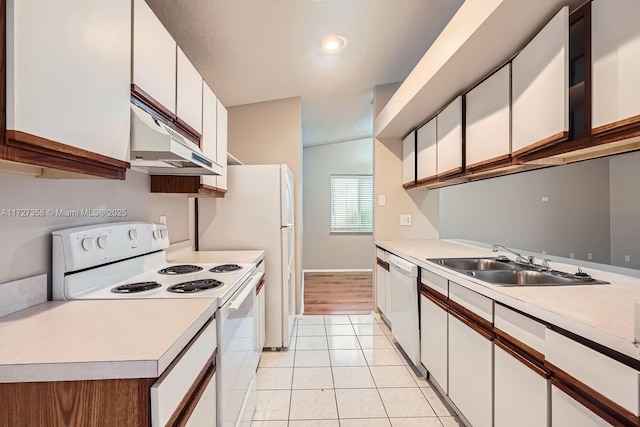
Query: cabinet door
(204,414)
(449,145)
(541,88)
(433,341)
(409,160)
(189,94)
(426,138)
(154,57)
(68,73)
(221,144)
(521,394)
(208,143)
(262,319)
(381,289)
(616,61)
(488,120)
(565,411)
(470,373)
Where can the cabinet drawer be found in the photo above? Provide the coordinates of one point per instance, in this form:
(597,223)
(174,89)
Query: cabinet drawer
(612,379)
(473,301)
(435,282)
(520,327)
(175,382)
(382,254)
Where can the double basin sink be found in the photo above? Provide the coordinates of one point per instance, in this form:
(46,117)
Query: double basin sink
(509,273)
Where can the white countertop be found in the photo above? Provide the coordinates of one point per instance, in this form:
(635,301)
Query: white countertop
(85,340)
(601,313)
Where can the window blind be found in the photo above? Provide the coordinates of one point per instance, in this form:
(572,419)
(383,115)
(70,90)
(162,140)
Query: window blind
(352,203)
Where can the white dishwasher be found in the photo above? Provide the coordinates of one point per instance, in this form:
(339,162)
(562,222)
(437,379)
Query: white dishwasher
(403,307)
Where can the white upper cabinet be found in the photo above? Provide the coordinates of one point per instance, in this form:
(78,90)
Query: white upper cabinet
(209,131)
(426,152)
(541,87)
(409,159)
(616,60)
(221,144)
(449,146)
(154,57)
(488,124)
(68,73)
(189,93)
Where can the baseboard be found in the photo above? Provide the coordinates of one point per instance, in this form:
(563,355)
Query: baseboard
(347,270)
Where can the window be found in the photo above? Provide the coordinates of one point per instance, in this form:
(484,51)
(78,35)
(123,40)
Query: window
(352,203)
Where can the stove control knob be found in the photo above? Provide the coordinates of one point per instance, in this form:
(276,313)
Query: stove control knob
(88,244)
(164,233)
(156,234)
(133,234)
(103,242)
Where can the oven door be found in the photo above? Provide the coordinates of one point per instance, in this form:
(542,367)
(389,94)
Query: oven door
(237,351)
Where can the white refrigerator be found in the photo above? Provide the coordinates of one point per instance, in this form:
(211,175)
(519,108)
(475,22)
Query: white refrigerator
(258,213)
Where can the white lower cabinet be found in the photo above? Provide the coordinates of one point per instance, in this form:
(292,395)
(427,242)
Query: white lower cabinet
(471,373)
(433,341)
(261,320)
(520,394)
(204,414)
(566,411)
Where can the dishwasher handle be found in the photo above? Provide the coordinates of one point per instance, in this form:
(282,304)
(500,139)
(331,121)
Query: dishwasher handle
(403,266)
(248,289)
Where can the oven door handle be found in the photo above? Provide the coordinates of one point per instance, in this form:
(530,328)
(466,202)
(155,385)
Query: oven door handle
(248,289)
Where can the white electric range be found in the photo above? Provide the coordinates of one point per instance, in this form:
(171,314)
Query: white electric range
(128,260)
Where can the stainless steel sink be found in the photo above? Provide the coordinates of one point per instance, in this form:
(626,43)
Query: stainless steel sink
(508,273)
(475,264)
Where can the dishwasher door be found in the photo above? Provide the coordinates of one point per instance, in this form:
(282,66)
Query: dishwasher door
(403,311)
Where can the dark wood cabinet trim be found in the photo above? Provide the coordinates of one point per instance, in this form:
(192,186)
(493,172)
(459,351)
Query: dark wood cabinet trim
(189,402)
(600,405)
(188,129)
(427,180)
(450,173)
(260,285)
(527,351)
(382,264)
(494,162)
(408,185)
(617,131)
(522,357)
(487,333)
(190,185)
(435,294)
(31,149)
(152,102)
(479,320)
(434,299)
(547,142)
(121,402)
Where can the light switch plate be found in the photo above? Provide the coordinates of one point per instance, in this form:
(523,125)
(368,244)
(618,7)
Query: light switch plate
(405,219)
(163,219)
(382,200)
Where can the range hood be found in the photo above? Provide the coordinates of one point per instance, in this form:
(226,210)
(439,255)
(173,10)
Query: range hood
(162,150)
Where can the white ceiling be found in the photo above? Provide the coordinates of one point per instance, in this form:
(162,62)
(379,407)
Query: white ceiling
(258,50)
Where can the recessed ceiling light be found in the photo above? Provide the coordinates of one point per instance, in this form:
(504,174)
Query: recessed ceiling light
(333,44)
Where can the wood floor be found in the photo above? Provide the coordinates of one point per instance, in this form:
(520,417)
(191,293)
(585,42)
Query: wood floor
(338,293)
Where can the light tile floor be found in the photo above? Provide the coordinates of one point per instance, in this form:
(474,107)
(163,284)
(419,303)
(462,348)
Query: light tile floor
(344,371)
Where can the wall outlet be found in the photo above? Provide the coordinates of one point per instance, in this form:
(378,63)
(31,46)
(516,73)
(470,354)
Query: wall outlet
(572,255)
(405,219)
(545,199)
(382,200)
(544,252)
(627,258)
(163,219)
(589,256)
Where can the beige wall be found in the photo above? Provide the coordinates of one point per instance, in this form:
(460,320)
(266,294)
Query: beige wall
(509,210)
(324,250)
(625,210)
(26,242)
(270,133)
(422,205)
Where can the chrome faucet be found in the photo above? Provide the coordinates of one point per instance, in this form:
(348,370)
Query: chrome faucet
(519,258)
(546,265)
